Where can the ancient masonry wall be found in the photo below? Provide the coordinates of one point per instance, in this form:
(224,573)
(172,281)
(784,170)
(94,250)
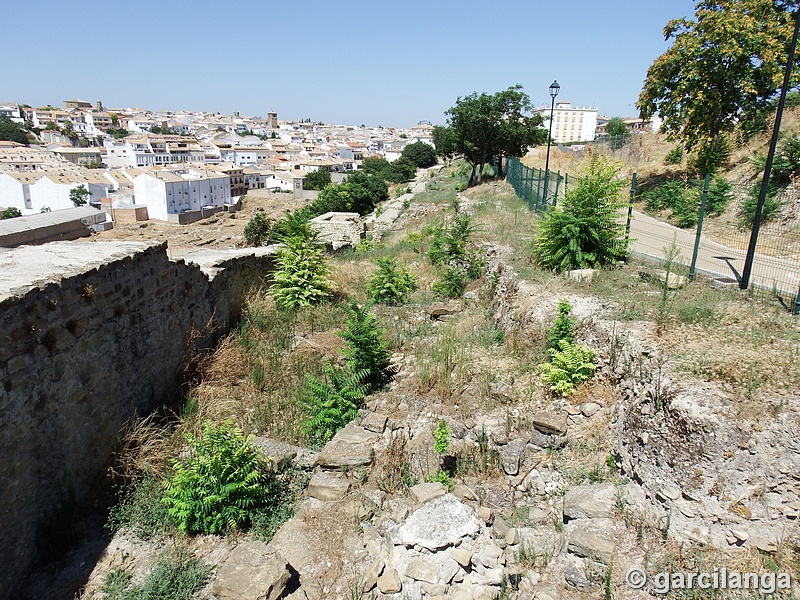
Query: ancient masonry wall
(81,355)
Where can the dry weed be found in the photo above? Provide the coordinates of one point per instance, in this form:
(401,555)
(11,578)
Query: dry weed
(144,450)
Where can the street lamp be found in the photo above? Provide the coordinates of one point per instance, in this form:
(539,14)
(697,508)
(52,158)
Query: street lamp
(554,88)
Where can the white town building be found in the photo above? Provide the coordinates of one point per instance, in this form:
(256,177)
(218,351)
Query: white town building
(570,124)
(174,191)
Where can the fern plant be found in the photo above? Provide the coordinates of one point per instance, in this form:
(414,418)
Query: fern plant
(219,485)
(331,403)
(569,366)
(391,283)
(302,276)
(564,325)
(365,347)
(583,231)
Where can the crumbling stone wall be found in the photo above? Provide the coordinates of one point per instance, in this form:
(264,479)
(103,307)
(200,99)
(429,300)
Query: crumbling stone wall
(81,355)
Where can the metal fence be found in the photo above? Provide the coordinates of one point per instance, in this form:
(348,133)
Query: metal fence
(537,188)
(721,241)
(716,246)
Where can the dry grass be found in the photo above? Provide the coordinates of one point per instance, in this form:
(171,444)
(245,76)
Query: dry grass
(144,450)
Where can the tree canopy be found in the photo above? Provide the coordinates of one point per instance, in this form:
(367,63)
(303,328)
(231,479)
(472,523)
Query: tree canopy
(724,65)
(11,131)
(79,195)
(494,126)
(444,140)
(316,180)
(421,154)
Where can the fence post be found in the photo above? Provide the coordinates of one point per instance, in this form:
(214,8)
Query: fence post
(630,212)
(700,216)
(558,181)
(796,308)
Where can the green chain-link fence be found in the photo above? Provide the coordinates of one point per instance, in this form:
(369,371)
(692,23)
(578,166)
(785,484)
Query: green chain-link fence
(537,188)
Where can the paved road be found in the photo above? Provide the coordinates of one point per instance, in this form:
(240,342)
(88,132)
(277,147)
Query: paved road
(651,236)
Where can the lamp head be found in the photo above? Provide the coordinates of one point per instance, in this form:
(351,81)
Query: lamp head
(554,88)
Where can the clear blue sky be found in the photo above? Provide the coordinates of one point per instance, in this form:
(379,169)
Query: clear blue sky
(378,62)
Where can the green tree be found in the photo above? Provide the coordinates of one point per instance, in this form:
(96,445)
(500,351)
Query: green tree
(12,132)
(51,126)
(68,129)
(375,184)
(723,66)
(444,140)
(403,169)
(583,230)
(257,230)
(302,275)
(616,130)
(494,126)
(347,197)
(79,195)
(421,154)
(316,180)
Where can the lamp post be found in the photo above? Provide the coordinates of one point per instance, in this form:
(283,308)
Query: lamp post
(554,88)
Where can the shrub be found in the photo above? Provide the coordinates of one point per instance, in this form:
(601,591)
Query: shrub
(140,510)
(219,485)
(683,199)
(569,366)
(301,277)
(391,283)
(293,224)
(770,210)
(332,403)
(442,436)
(451,248)
(453,283)
(583,230)
(365,348)
(563,327)
(674,156)
(257,230)
(786,164)
(10,213)
(176,575)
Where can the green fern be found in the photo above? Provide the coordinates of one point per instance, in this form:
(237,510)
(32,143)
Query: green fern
(569,366)
(218,486)
(331,403)
(391,283)
(365,346)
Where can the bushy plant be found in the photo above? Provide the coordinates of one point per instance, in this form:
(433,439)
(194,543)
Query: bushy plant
(569,366)
(442,435)
(391,283)
(683,199)
(218,486)
(770,210)
(10,213)
(176,575)
(365,347)
(257,230)
(564,325)
(317,180)
(453,282)
(293,224)
(674,156)
(439,476)
(332,402)
(140,510)
(583,231)
(786,164)
(302,275)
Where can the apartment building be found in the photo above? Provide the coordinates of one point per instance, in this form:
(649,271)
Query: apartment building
(178,190)
(570,124)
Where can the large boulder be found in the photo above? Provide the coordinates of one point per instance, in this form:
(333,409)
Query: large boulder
(440,523)
(252,572)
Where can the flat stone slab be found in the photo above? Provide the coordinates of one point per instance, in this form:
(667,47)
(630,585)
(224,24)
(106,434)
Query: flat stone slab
(550,424)
(252,572)
(596,501)
(593,538)
(328,486)
(440,523)
(425,492)
(352,446)
(280,453)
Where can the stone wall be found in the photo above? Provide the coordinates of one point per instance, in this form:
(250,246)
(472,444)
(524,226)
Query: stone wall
(93,335)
